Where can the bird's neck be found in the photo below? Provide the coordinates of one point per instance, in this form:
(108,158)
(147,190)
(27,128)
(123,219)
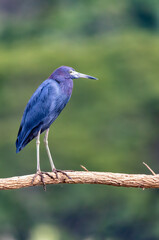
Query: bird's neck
(67,86)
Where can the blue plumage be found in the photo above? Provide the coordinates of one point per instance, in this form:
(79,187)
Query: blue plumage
(44,107)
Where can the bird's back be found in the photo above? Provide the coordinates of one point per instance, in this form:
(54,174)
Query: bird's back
(41,111)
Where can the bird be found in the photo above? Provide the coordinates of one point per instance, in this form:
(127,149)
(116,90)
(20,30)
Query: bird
(43,108)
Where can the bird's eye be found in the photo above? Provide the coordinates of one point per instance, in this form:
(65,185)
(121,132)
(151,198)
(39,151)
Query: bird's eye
(70,71)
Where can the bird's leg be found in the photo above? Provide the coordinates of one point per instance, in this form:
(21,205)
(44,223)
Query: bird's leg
(48,150)
(50,157)
(39,172)
(38,151)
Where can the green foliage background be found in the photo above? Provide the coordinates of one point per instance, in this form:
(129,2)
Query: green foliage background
(109,125)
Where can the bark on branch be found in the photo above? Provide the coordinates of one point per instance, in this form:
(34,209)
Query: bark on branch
(85,177)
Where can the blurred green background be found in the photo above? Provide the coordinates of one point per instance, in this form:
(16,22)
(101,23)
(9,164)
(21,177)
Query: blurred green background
(109,125)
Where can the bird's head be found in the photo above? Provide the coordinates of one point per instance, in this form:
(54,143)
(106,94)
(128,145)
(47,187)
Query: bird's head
(62,73)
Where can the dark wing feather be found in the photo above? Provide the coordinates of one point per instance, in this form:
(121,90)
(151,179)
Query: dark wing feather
(38,113)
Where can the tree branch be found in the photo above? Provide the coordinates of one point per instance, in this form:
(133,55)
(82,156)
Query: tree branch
(84,177)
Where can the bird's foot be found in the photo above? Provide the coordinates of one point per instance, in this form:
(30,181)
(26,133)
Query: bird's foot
(56,171)
(41,174)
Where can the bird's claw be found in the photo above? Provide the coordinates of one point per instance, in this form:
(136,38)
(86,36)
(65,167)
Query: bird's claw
(39,173)
(60,171)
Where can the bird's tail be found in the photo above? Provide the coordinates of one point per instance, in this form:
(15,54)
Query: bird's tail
(21,144)
(18,148)
(18,141)
(24,136)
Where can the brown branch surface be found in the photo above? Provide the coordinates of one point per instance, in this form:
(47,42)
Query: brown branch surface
(85,177)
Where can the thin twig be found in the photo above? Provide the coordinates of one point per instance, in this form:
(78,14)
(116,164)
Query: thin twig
(84,168)
(149,169)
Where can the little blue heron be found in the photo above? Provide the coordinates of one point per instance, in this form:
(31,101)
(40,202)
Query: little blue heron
(43,108)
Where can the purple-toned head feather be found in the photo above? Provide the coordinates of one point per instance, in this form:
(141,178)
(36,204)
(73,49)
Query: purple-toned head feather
(62,73)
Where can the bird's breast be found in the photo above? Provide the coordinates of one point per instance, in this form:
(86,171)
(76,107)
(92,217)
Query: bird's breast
(66,87)
(60,94)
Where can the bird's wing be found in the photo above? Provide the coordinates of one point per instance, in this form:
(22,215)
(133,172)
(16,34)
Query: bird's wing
(40,106)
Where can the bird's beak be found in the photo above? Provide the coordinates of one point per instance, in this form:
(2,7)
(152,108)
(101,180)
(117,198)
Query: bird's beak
(75,74)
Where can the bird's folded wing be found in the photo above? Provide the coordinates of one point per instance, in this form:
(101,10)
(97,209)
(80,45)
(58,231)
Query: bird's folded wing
(38,110)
